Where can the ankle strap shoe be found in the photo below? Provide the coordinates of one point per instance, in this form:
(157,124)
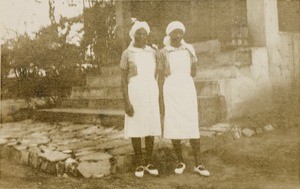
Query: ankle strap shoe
(151,169)
(202,171)
(180,167)
(139,172)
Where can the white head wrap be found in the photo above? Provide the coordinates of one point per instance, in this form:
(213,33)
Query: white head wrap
(173,26)
(138,25)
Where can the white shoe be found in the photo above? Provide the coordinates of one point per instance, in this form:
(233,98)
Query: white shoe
(151,169)
(139,172)
(202,171)
(180,168)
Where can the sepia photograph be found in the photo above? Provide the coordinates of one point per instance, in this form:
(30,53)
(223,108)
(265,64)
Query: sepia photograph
(150,94)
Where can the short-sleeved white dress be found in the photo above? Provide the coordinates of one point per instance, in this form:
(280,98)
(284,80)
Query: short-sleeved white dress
(179,95)
(143,93)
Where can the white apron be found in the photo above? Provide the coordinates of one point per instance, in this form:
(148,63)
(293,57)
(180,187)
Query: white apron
(143,95)
(180,99)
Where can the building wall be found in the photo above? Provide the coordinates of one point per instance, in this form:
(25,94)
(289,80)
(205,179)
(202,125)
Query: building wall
(289,15)
(204,20)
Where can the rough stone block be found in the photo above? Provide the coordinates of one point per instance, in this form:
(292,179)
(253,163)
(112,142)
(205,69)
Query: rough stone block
(54,156)
(71,166)
(49,160)
(88,169)
(268,128)
(33,157)
(20,154)
(248,132)
(97,156)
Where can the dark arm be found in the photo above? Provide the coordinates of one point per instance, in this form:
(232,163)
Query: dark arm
(128,107)
(194,69)
(160,81)
(124,84)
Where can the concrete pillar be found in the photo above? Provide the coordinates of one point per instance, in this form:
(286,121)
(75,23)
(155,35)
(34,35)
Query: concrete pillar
(262,18)
(264,31)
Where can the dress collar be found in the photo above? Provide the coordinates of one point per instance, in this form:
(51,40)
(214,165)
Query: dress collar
(170,48)
(135,49)
(184,46)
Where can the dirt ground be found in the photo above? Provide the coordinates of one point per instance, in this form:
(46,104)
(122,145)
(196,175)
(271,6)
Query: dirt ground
(269,160)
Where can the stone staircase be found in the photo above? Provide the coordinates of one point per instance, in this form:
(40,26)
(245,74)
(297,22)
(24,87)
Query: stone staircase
(99,102)
(226,82)
(102,91)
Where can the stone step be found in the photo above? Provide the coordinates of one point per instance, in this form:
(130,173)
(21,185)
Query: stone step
(207,47)
(212,109)
(107,118)
(103,80)
(233,58)
(207,88)
(213,72)
(96,93)
(93,103)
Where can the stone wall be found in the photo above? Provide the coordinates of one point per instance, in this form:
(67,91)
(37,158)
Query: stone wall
(284,56)
(240,76)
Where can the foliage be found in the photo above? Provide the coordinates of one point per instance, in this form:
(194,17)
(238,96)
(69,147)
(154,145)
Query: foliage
(49,52)
(28,57)
(99,32)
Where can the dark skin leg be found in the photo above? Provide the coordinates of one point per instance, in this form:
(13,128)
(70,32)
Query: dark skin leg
(149,141)
(137,147)
(195,143)
(177,148)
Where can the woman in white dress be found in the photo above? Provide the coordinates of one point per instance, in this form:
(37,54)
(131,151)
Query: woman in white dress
(177,65)
(141,96)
